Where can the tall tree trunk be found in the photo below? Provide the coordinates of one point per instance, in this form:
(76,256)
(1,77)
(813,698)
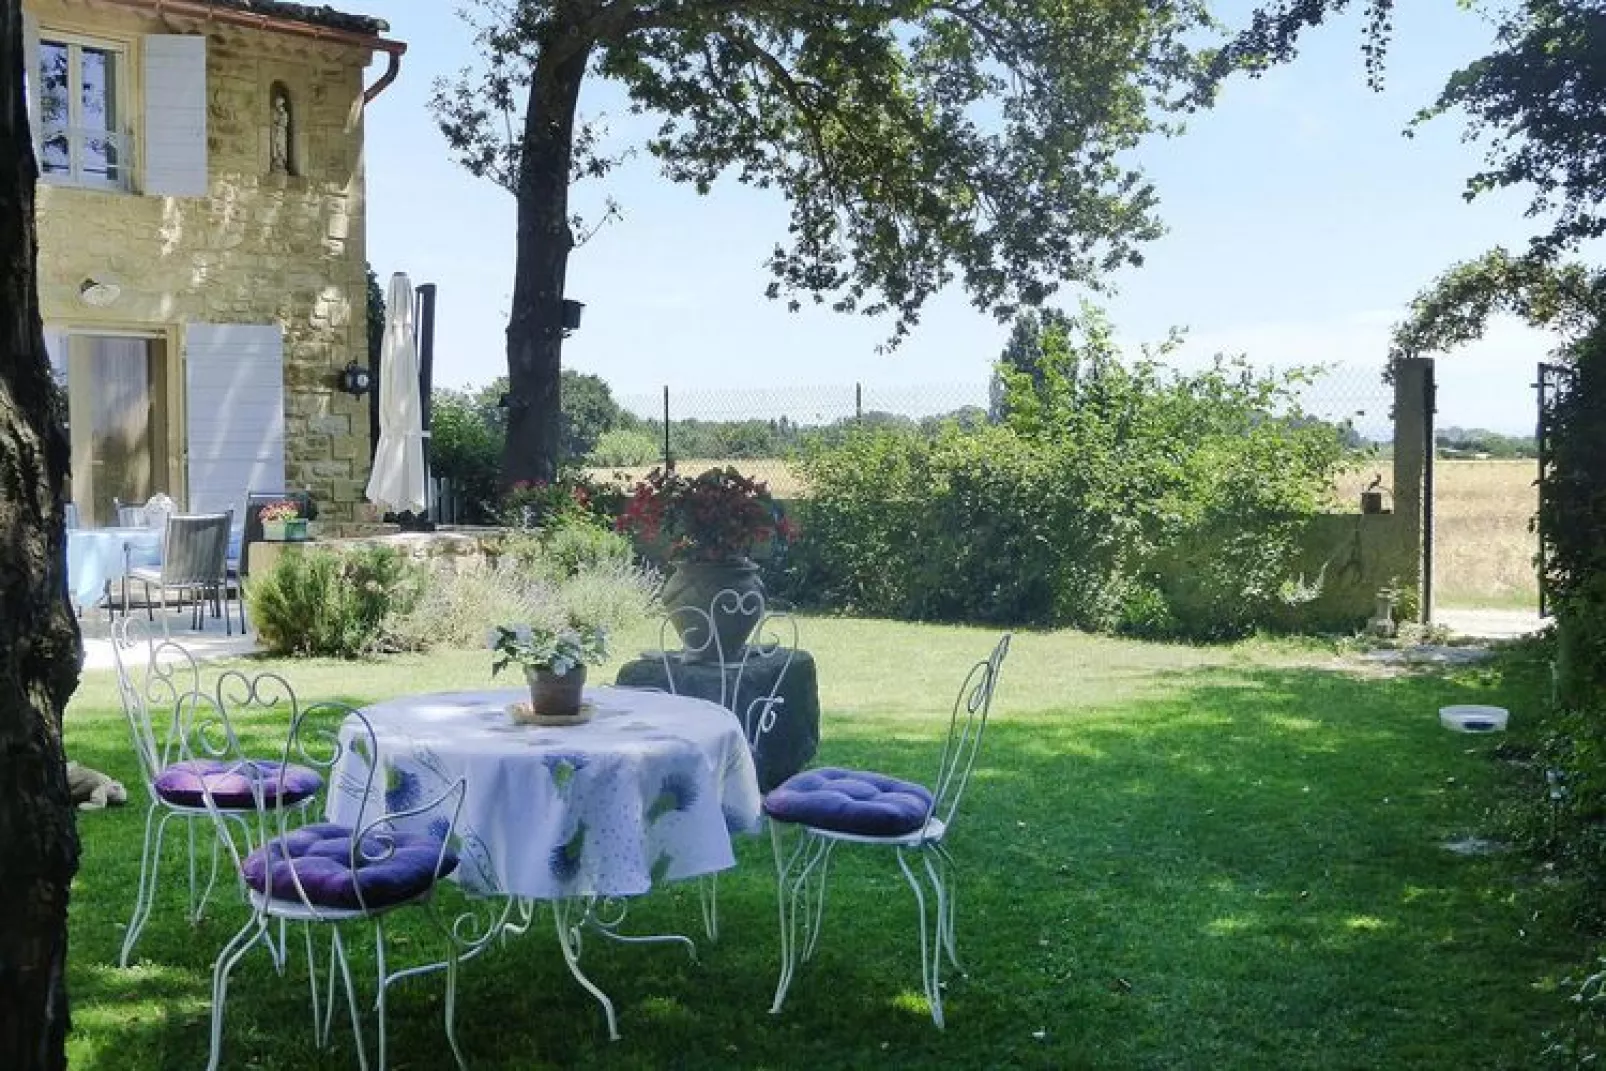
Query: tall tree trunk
(535,327)
(39,644)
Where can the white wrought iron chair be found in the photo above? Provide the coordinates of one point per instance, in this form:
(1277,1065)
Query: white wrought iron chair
(830,806)
(195,551)
(153,681)
(323,873)
(129,515)
(774,641)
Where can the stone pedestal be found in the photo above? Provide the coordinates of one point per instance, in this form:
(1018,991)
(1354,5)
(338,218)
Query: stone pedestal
(786,748)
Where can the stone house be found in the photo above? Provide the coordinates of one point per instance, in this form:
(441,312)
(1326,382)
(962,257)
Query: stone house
(202,264)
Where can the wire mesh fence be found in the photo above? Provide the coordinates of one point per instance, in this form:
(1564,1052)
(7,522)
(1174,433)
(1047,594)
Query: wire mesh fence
(759,430)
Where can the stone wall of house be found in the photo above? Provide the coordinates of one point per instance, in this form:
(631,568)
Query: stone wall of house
(262,248)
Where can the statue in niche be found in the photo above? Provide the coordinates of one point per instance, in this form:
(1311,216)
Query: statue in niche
(279,145)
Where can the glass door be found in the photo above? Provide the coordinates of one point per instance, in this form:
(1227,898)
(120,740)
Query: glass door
(117,413)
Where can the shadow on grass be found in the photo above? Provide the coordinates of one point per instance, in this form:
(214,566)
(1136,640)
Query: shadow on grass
(1244,869)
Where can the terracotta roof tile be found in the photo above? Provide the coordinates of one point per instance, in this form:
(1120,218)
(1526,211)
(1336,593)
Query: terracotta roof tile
(314,14)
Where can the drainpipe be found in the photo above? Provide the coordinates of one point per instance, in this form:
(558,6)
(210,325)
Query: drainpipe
(392,68)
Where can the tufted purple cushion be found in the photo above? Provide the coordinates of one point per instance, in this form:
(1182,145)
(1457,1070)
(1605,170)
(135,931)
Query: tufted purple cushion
(850,801)
(185,783)
(390,870)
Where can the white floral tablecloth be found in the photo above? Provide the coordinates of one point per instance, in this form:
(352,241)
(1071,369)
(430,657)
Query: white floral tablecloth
(650,790)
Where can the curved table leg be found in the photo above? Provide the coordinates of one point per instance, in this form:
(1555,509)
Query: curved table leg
(569,941)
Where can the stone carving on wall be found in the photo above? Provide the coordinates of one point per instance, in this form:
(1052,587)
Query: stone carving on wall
(279,153)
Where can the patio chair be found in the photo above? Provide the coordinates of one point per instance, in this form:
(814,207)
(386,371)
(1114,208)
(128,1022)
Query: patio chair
(173,777)
(830,806)
(326,874)
(129,515)
(194,563)
(700,654)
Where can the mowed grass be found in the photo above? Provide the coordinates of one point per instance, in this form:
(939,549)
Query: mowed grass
(1171,857)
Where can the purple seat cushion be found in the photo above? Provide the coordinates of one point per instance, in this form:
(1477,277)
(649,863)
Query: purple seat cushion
(186,783)
(389,869)
(850,801)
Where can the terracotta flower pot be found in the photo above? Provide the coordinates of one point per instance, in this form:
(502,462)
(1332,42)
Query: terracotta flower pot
(555,699)
(731,593)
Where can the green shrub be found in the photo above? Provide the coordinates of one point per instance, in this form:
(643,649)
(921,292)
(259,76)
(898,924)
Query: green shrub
(626,449)
(340,604)
(1113,496)
(572,545)
(466,448)
(533,576)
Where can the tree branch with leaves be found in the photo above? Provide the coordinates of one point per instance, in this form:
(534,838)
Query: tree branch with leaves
(917,143)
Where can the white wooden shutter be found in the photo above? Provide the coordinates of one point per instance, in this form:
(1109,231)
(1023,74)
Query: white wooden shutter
(175,115)
(30,67)
(234,379)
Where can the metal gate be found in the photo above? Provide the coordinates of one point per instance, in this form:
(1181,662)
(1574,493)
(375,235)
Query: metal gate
(1554,383)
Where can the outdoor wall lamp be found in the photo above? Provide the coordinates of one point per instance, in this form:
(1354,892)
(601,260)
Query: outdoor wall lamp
(356,380)
(99,291)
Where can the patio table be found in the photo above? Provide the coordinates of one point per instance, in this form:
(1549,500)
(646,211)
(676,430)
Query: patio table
(648,791)
(97,556)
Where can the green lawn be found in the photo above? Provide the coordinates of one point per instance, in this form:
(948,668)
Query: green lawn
(1172,857)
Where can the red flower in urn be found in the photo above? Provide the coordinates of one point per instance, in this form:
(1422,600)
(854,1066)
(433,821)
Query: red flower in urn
(718,515)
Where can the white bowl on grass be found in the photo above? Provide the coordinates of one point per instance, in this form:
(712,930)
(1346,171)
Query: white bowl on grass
(1473,718)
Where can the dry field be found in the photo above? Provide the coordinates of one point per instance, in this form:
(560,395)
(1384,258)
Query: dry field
(774,471)
(1484,553)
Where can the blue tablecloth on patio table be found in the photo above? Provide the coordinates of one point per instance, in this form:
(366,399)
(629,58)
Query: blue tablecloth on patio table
(96,556)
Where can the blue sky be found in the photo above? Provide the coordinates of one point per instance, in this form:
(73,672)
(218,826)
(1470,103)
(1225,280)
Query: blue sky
(1301,222)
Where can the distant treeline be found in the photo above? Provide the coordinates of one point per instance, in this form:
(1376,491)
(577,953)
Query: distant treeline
(1456,442)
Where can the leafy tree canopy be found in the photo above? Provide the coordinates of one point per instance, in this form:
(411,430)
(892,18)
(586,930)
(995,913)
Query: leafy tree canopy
(916,141)
(1534,101)
(1455,308)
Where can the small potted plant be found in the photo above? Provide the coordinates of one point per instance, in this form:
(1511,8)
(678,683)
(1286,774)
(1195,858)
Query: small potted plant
(282,522)
(554,656)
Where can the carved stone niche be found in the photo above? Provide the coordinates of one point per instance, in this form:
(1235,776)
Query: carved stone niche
(282,151)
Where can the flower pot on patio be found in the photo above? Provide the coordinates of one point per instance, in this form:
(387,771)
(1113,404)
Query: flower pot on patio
(274,531)
(730,592)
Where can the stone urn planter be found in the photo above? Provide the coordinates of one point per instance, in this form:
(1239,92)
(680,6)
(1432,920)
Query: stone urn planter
(731,593)
(554,698)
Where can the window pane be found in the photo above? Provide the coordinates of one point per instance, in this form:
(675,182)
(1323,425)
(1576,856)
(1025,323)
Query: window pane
(53,83)
(98,115)
(99,89)
(54,159)
(54,98)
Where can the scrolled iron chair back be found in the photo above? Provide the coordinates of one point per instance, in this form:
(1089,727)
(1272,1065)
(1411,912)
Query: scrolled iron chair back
(322,737)
(775,635)
(966,724)
(156,681)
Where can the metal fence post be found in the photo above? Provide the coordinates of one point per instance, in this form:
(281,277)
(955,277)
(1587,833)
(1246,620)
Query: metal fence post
(669,458)
(1430,407)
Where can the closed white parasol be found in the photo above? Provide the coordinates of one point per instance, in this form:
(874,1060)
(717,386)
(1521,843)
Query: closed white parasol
(397,481)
